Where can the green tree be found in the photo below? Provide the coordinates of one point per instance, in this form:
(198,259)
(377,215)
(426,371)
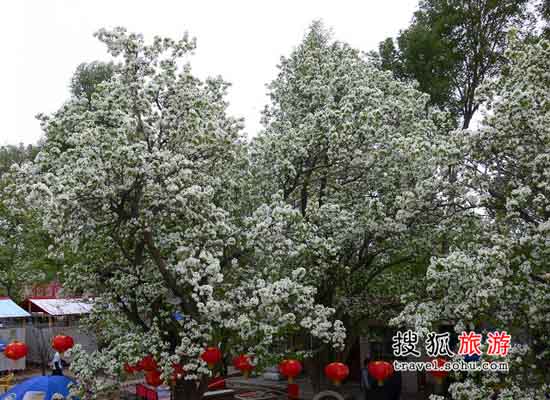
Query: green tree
(23,244)
(10,155)
(452,47)
(389,59)
(87,78)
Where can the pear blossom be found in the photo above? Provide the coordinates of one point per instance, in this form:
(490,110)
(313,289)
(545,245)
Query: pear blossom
(141,187)
(357,155)
(497,280)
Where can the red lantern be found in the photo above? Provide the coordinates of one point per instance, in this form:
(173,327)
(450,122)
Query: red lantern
(16,350)
(242,363)
(62,343)
(177,371)
(69,342)
(337,372)
(212,355)
(440,374)
(380,370)
(148,363)
(153,378)
(290,369)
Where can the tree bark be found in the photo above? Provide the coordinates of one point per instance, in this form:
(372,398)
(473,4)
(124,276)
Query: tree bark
(314,368)
(350,342)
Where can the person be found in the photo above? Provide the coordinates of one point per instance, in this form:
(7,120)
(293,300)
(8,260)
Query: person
(367,381)
(395,383)
(57,364)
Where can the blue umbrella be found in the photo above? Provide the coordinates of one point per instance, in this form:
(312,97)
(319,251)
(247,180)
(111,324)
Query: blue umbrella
(39,385)
(2,346)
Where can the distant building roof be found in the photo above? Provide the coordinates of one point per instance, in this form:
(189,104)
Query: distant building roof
(58,307)
(51,289)
(9,309)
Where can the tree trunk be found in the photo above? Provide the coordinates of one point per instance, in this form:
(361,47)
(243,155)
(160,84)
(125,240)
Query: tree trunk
(350,342)
(314,368)
(468,115)
(188,390)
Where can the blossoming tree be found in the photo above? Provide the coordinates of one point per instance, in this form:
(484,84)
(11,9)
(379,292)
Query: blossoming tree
(142,183)
(500,280)
(359,155)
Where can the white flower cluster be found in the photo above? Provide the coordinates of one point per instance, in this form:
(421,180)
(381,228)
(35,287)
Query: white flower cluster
(142,187)
(357,154)
(497,278)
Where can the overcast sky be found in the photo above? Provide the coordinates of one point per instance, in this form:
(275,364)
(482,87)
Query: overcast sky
(43,41)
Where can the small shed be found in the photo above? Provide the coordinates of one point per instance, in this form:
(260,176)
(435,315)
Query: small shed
(12,320)
(10,312)
(57,311)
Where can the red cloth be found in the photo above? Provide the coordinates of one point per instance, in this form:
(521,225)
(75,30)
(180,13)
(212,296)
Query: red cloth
(141,391)
(293,390)
(146,393)
(216,383)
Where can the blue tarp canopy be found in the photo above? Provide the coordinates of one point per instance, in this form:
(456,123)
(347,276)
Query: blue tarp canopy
(8,309)
(40,388)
